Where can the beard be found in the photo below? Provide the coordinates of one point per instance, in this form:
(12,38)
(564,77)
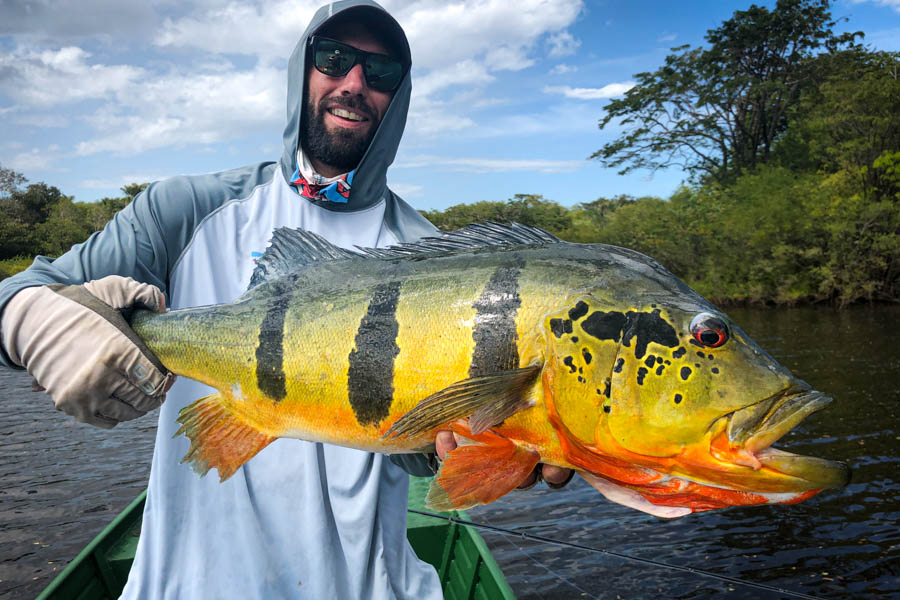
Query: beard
(341,149)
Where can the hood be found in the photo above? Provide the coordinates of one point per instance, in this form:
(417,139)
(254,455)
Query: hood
(370,179)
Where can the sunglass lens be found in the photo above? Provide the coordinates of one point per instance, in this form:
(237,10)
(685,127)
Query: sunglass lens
(383,73)
(334,59)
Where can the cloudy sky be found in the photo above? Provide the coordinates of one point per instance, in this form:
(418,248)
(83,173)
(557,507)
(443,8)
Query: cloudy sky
(95,94)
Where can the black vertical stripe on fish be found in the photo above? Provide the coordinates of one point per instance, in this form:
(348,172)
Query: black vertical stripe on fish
(270,352)
(495,332)
(370,374)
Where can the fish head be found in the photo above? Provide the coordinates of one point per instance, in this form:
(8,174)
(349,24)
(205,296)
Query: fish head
(674,402)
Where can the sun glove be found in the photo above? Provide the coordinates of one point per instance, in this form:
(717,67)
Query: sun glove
(76,343)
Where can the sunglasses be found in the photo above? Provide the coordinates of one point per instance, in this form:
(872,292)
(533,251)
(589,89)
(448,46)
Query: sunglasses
(335,59)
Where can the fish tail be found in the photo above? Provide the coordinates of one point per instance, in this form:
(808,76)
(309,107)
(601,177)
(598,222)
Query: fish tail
(218,439)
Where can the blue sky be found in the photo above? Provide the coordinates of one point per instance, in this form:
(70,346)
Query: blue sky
(507,95)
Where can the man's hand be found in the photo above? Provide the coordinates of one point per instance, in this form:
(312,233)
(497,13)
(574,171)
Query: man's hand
(76,346)
(556,477)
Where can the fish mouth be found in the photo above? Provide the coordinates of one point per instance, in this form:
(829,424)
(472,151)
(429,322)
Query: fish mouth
(752,430)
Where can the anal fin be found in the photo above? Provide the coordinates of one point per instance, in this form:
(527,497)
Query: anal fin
(480,472)
(218,439)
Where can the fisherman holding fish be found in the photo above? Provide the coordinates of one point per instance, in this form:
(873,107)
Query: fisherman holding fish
(302,519)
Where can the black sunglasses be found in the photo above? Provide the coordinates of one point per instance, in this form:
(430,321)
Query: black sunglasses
(335,59)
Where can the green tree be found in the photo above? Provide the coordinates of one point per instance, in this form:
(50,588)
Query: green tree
(527,209)
(716,111)
(10,181)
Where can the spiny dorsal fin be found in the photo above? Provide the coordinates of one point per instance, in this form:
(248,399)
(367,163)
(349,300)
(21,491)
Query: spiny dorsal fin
(478,235)
(293,249)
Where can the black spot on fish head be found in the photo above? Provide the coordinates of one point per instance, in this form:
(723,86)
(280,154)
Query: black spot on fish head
(650,361)
(700,354)
(685,373)
(715,370)
(570,362)
(581,379)
(604,325)
(574,339)
(619,364)
(579,310)
(677,398)
(556,326)
(648,328)
(659,370)
(607,408)
(679,353)
(640,375)
(586,354)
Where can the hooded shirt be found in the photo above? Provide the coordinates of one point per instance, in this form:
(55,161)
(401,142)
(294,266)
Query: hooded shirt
(301,519)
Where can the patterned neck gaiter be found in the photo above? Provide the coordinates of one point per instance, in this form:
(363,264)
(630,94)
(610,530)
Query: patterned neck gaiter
(310,184)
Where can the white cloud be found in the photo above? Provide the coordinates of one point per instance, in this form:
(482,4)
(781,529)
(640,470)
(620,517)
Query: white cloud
(121,180)
(562,69)
(668,37)
(563,43)
(49,77)
(607,91)
(895,4)
(269,30)
(179,109)
(191,87)
(35,159)
(491,165)
(407,190)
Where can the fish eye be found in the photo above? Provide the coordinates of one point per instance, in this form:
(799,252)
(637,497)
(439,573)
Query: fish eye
(709,330)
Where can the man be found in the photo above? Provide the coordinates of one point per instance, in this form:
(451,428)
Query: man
(300,519)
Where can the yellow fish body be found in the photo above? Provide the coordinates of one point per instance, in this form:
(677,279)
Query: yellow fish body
(533,350)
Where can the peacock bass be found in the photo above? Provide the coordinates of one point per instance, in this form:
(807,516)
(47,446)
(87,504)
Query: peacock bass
(530,349)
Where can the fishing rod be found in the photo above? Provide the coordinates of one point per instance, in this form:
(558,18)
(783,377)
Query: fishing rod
(646,561)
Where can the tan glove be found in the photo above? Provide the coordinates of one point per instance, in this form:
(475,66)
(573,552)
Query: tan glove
(77,345)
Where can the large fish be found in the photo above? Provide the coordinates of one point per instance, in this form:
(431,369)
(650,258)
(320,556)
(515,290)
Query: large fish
(585,356)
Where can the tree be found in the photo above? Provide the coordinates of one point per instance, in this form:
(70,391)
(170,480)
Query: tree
(527,209)
(719,110)
(10,181)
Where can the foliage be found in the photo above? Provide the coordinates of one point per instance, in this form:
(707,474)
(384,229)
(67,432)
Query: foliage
(719,110)
(528,209)
(11,266)
(39,219)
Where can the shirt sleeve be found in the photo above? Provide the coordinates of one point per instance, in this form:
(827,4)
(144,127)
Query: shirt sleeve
(138,242)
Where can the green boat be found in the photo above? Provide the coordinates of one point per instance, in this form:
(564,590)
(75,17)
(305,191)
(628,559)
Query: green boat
(463,561)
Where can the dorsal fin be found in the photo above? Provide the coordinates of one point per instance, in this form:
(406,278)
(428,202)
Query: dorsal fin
(471,237)
(293,249)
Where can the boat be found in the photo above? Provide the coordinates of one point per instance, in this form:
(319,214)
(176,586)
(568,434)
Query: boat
(460,555)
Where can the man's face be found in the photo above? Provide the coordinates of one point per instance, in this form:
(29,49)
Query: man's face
(341,114)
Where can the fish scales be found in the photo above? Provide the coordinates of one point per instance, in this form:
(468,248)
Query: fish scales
(584,356)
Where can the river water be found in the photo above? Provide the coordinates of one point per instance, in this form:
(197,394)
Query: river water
(62,482)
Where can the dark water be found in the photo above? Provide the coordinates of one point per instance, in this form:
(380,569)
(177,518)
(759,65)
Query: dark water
(61,483)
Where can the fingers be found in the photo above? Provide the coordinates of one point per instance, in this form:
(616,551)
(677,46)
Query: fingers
(555,475)
(444,442)
(124,292)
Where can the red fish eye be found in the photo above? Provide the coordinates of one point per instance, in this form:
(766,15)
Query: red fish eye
(709,330)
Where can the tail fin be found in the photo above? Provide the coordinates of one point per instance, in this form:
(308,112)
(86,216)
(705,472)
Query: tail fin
(218,439)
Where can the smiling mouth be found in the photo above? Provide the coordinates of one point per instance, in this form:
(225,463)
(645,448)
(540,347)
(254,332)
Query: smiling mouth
(346,114)
(752,430)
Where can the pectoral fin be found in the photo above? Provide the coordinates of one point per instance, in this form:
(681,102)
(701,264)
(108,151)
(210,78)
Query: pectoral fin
(486,400)
(480,472)
(218,439)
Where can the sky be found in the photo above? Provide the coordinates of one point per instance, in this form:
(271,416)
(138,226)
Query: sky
(507,95)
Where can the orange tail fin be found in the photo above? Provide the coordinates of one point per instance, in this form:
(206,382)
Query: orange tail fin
(480,473)
(218,439)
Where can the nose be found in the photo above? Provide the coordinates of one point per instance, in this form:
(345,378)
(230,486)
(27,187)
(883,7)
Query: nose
(354,82)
